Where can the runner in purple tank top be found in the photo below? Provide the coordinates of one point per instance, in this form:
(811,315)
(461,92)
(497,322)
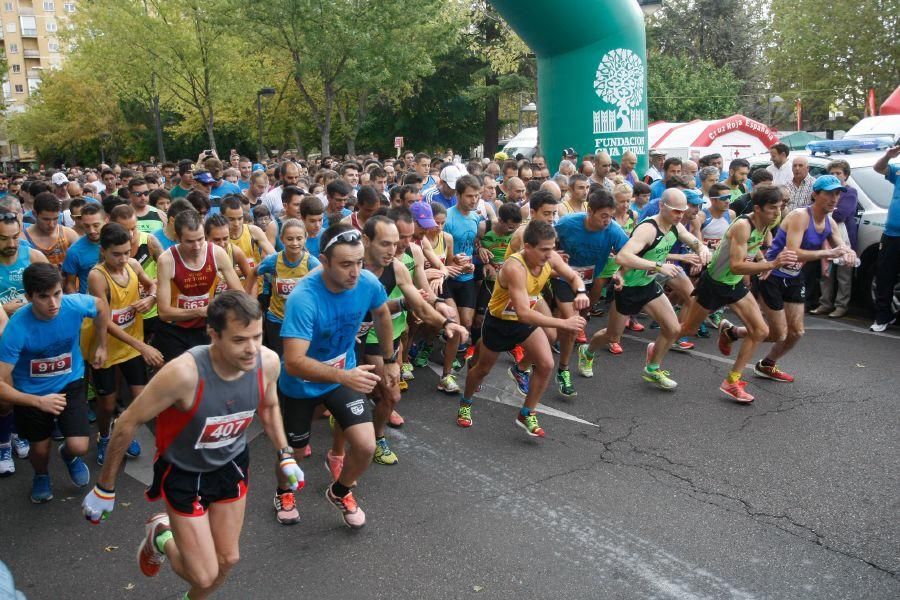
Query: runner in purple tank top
(803,231)
(204,402)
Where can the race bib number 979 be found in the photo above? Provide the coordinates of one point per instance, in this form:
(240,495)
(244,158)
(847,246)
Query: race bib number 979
(219,432)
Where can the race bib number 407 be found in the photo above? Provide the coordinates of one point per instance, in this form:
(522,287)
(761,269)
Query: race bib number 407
(219,432)
(53,366)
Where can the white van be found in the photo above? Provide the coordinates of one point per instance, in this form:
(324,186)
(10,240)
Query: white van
(523,145)
(887,126)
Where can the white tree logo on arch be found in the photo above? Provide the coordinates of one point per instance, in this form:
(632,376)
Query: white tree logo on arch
(620,81)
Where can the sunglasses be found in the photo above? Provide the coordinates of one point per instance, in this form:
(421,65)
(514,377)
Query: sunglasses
(145,193)
(347,237)
(8,217)
(726,197)
(673,209)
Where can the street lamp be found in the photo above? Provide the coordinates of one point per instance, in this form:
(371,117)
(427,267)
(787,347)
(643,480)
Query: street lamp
(267,92)
(774,102)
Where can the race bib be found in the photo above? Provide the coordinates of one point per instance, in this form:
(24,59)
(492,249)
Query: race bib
(189,302)
(53,366)
(509,311)
(792,270)
(712,243)
(586,273)
(124,317)
(284,286)
(219,432)
(338,362)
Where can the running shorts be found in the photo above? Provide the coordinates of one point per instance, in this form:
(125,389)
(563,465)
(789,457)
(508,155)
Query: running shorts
(499,335)
(775,291)
(35,425)
(349,408)
(631,300)
(190,494)
(713,295)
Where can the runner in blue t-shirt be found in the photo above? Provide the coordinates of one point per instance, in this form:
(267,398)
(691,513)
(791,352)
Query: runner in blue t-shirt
(85,253)
(466,227)
(40,354)
(887,269)
(587,239)
(321,321)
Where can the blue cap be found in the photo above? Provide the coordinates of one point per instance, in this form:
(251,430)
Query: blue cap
(257,167)
(827,183)
(204,177)
(693,196)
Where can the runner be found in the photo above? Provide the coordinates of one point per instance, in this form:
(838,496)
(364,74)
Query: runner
(47,235)
(14,259)
(717,218)
(804,231)
(381,238)
(321,321)
(722,284)
(204,402)
(587,240)
(492,251)
(576,200)
(85,253)
(149,218)
(312,213)
(186,282)
(166,236)
(118,279)
(216,230)
(249,238)
(644,256)
(512,320)
(285,268)
(42,372)
(466,228)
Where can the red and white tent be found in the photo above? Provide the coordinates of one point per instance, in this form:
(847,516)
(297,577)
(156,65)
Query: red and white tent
(734,137)
(891,106)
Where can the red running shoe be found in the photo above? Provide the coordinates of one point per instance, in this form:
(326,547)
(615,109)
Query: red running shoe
(773,373)
(634,325)
(725,342)
(736,392)
(150,559)
(581,338)
(615,348)
(517,353)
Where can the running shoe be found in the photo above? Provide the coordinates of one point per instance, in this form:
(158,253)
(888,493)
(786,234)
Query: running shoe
(40,489)
(286,511)
(703,331)
(597,310)
(134,449)
(354,517)
(530,424)
(92,416)
(21,446)
(406,372)
(581,338)
(649,354)
(395,420)
(383,453)
(150,559)
(306,452)
(725,340)
(334,464)
(654,325)
(564,381)
(522,379)
(634,325)
(7,466)
(421,359)
(555,346)
(517,353)
(56,434)
(714,319)
(736,392)
(683,344)
(773,373)
(659,378)
(615,348)
(102,443)
(448,384)
(402,385)
(78,471)
(879,327)
(456,365)
(464,415)
(586,360)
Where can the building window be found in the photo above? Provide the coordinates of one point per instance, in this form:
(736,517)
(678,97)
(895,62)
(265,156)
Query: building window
(49,6)
(69,7)
(51,25)
(7,92)
(11,27)
(20,89)
(53,46)
(13,48)
(17,68)
(29,25)
(8,6)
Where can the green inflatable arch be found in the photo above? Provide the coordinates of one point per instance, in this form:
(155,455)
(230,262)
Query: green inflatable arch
(592,73)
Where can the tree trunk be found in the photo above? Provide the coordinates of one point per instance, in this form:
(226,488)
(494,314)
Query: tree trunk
(491,118)
(157,124)
(297,142)
(326,120)
(209,132)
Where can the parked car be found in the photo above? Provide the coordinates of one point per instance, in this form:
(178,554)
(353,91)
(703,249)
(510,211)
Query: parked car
(875,194)
(523,145)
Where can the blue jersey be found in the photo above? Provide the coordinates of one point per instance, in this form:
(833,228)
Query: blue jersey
(650,209)
(80,259)
(892,225)
(330,322)
(588,249)
(46,354)
(312,245)
(345,212)
(434,195)
(464,230)
(11,288)
(224,188)
(164,241)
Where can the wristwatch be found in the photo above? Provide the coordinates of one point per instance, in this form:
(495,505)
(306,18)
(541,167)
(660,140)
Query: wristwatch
(658,266)
(391,360)
(285,452)
(581,291)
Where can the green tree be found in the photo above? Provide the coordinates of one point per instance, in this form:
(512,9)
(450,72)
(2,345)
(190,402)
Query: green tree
(832,57)
(341,53)
(681,89)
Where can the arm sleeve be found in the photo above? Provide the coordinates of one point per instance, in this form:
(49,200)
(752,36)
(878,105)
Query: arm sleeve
(87,303)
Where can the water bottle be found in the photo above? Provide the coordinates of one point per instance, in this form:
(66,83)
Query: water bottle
(841,262)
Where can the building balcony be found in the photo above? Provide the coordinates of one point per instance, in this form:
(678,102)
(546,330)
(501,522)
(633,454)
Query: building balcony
(26,10)
(29,33)
(31,53)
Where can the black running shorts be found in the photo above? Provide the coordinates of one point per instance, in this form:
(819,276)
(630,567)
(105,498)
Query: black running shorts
(713,295)
(35,425)
(190,494)
(349,408)
(499,335)
(631,300)
(775,291)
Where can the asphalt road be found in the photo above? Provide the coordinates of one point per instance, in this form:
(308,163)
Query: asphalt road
(634,493)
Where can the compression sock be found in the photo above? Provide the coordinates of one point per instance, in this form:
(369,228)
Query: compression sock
(525,411)
(6,427)
(767,362)
(652,367)
(161,540)
(464,400)
(733,377)
(339,490)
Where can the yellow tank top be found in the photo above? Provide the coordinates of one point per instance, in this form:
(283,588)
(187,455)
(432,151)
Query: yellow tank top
(286,277)
(249,246)
(121,299)
(500,305)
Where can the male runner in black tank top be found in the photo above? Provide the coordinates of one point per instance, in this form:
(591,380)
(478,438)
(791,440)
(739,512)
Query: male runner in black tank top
(201,435)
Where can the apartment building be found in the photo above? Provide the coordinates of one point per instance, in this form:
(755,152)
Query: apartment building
(28,38)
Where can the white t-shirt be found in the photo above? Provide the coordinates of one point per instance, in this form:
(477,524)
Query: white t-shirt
(782,175)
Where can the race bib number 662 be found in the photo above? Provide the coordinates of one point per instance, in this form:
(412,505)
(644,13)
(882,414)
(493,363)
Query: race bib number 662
(222,431)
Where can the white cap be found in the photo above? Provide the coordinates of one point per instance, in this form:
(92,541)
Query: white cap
(59,178)
(450,174)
